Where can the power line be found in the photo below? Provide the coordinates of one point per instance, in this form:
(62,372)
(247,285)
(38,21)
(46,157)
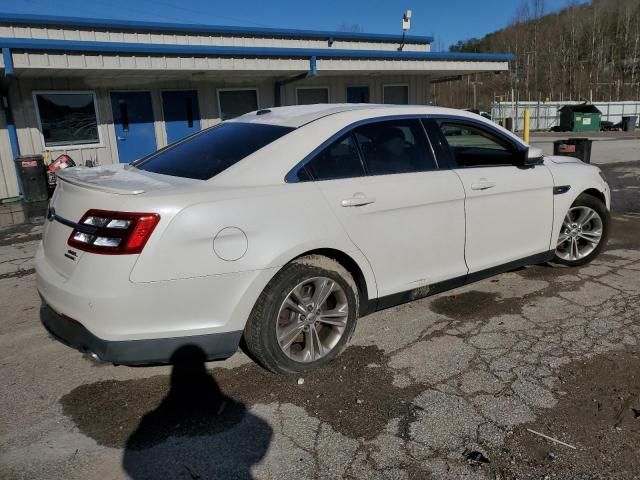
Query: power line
(147,13)
(201,12)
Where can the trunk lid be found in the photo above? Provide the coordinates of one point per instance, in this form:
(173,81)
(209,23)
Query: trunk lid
(81,189)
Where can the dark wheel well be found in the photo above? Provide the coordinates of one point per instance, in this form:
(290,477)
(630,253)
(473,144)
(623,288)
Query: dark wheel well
(595,193)
(352,267)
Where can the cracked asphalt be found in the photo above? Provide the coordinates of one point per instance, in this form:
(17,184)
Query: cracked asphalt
(444,387)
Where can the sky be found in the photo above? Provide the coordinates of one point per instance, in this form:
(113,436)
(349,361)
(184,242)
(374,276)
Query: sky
(446,20)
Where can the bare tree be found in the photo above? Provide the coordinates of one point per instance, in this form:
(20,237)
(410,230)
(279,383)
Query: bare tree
(584,51)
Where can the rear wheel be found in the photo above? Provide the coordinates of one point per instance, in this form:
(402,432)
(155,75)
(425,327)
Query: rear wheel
(584,231)
(304,317)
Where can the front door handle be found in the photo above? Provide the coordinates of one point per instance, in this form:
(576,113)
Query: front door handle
(482,185)
(358,200)
(122,139)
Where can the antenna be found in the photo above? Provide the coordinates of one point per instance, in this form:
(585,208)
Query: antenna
(406,25)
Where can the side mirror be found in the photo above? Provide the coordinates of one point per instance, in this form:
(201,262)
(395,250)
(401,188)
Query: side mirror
(535,156)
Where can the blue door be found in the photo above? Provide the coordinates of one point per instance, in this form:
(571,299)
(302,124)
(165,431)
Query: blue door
(181,114)
(133,120)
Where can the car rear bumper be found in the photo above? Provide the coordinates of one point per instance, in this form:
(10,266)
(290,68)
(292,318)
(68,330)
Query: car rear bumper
(100,296)
(134,352)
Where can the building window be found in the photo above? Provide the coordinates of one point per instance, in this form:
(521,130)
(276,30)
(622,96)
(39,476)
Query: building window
(67,118)
(358,94)
(311,95)
(396,94)
(235,102)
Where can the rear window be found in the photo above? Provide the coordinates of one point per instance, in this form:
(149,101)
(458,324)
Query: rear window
(207,153)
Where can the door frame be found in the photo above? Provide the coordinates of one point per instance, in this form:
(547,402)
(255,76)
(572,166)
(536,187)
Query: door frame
(315,87)
(347,87)
(165,138)
(235,89)
(397,85)
(153,113)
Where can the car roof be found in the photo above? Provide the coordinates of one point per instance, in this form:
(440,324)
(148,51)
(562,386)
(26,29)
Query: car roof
(299,115)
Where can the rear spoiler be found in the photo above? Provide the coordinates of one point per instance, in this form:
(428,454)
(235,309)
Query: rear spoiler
(99,187)
(111,179)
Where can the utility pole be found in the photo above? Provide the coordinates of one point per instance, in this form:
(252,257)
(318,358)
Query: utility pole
(474,84)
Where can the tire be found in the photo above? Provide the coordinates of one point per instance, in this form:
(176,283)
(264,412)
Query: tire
(585,250)
(297,283)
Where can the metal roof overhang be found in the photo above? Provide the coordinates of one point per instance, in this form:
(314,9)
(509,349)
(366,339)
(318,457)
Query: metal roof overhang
(135,25)
(223,51)
(184,60)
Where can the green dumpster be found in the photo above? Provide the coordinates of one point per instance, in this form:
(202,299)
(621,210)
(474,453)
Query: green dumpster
(580,118)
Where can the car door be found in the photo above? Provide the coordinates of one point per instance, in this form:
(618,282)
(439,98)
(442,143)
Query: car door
(398,208)
(509,207)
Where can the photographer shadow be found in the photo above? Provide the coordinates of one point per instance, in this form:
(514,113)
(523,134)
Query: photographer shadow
(197,431)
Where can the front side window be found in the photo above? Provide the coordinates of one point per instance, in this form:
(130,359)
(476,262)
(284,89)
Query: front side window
(475,147)
(234,103)
(67,118)
(310,96)
(338,160)
(395,146)
(207,153)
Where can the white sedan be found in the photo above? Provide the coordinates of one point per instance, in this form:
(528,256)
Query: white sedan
(281,227)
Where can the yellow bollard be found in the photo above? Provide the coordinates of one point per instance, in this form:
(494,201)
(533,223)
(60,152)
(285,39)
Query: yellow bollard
(527,120)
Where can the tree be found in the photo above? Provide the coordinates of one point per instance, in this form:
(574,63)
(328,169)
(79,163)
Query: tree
(584,51)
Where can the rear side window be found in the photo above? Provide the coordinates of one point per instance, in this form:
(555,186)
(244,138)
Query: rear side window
(338,160)
(207,153)
(395,146)
(475,147)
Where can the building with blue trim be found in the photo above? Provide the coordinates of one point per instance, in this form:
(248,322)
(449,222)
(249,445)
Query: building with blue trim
(108,91)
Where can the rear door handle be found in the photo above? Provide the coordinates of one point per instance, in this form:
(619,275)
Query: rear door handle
(358,200)
(483,185)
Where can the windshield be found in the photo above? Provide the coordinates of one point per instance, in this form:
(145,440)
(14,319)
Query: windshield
(207,153)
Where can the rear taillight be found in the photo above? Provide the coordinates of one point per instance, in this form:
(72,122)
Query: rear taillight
(116,233)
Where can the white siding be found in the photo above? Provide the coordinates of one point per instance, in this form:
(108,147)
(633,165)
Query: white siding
(419,87)
(8,181)
(30,139)
(103,35)
(74,61)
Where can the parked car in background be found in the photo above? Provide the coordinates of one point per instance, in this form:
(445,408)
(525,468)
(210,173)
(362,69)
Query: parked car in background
(283,226)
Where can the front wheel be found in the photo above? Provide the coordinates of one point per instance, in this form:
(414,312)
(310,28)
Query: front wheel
(304,317)
(584,231)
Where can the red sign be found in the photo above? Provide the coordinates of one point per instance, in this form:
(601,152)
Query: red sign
(563,148)
(29,163)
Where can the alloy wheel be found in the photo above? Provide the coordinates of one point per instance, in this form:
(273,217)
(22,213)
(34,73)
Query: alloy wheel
(580,234)
(312,319)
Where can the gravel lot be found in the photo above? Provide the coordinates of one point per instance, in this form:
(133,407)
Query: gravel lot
(445,387)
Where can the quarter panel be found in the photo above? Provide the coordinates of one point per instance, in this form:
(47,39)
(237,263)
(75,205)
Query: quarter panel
(276,222)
